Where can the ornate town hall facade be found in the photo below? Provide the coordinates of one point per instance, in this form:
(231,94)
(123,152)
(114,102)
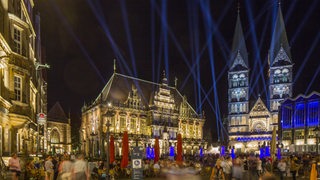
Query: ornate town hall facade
(250,127)
(145,110)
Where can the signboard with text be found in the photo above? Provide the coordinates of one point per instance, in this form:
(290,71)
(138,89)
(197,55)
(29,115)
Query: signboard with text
(137,155)
(42,117)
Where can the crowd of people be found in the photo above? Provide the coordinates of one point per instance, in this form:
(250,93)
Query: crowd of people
(215,167)
(62,167)
(252,167)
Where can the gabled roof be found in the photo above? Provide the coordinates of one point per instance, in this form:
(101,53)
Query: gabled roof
(57,114)
(118,87)
(279,40)
(239,54)
(259,106)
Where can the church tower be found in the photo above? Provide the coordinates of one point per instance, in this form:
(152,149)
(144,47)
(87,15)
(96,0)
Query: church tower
(280,62)
(238,82)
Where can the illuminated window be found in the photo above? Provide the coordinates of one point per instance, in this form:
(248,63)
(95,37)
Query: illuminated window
(122,123)
(55,137)
(17,88)
(17,45)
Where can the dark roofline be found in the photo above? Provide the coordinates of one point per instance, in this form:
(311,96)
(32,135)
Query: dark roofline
(301,96)
(279,38)
(142,80)
(239,44)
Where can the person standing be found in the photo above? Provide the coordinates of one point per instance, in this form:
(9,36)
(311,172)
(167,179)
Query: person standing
(252,167)
(293,167)
(80,170)
(259,166)
(14,166)
(217,172)
(49,168)
(282,166)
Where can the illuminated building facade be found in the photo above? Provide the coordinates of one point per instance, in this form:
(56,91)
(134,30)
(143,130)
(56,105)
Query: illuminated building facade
(299,117)
(59,130)
(22,86)
(145,110)
(250,127)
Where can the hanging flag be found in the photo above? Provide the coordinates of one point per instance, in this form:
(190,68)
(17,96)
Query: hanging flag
(125,150)
(156,150)
(179,149)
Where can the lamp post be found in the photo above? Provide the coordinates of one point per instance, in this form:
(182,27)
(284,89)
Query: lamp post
(92,145)
(317,131)
(109,114)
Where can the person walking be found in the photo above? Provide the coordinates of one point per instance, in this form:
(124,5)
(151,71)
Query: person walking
(259,166)
(227,168)
(49,168)
(80,170)
(237,170)
(14,166)
(65,168)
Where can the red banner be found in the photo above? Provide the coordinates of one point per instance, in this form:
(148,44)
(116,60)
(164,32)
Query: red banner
(125,150)
(179,149)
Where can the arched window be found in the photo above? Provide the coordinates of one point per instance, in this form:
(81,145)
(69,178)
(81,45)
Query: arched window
(285,71)
(235,80)
(55,137)
(277,75)
(235,77)
(242,80)
(285,75)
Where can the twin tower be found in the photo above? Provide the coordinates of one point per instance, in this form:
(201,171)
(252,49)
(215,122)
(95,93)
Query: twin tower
(249,126)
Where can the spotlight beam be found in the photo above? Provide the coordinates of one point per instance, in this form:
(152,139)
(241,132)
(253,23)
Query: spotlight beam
(97,11)
(129,39)
(302,25)
(77,40)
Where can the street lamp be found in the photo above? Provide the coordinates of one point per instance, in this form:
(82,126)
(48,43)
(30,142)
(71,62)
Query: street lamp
(317,131)
(109,114)
(92,145)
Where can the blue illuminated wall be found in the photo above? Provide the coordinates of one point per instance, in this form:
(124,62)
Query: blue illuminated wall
(299,119)
(313,113)
(286,116)
(301,111)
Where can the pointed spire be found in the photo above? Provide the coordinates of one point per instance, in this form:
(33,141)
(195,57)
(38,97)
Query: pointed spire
(175,82)
(239,54)
(238,7)
(114,66)
(279,42)
(164,78)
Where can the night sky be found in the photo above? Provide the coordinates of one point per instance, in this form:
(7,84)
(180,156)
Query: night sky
(81,38)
